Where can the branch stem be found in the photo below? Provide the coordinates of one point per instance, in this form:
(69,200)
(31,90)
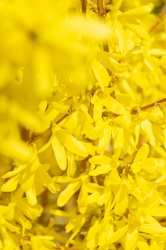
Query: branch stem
(84,6)
(152,105)
(135,110)
(100,6)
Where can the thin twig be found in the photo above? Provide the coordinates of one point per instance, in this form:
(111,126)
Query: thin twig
(135,110)
(161,15)
(35,136)
(155,25)
(152,105)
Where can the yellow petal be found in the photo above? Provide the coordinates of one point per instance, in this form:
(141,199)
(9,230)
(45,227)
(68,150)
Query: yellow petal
(63,179)
(82,199)
(42,107)
(142,243)
(131,240)
(121,38)
(88,27)
(71,167)
(119,139)
(90,130)
(148,130)
(100,159)
(100,170)
(91,237)
(136,167)
(42,80)
(157,211)
(31,212)
(113,105)
(101,74)
(97,109)
(121,201)
(31,196)
(60,213)
(137,12)
(59,152)
(117,235)
(138,163)
(165,138)
(140,31)
(143,153)
(16,149)
(45,147)
(10,185)
(104,138)
(152,229)
(109,62)
(61,107)
(14,172)
(157,52)
(27,181)
(140,79)
(114,177)
(66,194)
(75,146)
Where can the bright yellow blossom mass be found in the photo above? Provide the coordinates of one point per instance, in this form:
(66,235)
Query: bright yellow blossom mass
(83,124)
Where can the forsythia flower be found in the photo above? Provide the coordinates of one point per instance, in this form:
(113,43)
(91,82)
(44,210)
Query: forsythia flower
(82,124)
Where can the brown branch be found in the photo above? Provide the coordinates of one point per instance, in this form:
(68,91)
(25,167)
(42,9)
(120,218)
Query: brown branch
(35,136)
(152,105)
(161,15)
(62,118)
(155,25)
(84,6)
(100,7)
(135,110)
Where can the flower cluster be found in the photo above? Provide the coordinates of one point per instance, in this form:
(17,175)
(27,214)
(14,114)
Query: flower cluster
(83,124)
